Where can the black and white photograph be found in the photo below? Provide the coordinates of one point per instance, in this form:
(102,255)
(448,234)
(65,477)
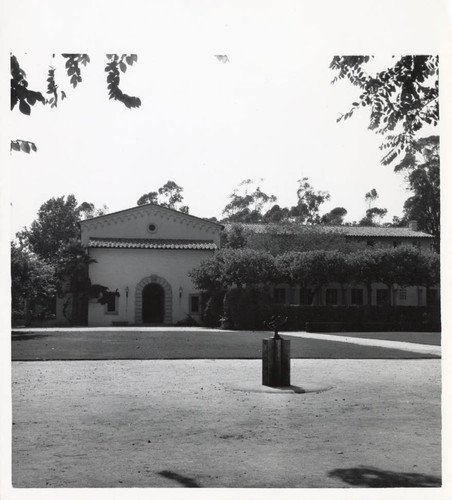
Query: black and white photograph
(225,249)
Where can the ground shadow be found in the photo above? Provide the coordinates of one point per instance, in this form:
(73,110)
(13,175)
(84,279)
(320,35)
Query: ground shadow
(370,477)
(27,336)
(185,481)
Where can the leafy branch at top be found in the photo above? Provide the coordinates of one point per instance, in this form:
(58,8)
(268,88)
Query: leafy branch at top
(116,66)
(25,98)
(20,93)
(402,99)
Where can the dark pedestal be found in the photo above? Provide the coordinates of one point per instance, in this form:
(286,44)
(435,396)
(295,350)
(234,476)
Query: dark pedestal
(276,362)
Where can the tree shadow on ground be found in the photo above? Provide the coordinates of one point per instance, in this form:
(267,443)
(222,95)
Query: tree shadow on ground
(371,477)
(16,336)
(188,482)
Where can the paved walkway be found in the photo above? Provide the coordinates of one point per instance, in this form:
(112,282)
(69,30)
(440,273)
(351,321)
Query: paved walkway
(390,344)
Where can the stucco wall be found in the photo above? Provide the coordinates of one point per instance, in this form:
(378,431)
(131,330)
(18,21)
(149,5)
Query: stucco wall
(414,296)
(121,268)
(135,224)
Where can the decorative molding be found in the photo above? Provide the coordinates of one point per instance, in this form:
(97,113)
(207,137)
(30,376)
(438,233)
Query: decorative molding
(141,212)
(168,300)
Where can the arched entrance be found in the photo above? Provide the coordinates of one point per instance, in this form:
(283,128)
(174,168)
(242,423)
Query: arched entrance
(153,303)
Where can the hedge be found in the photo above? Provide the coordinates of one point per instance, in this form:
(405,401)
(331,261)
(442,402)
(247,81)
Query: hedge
(249,308)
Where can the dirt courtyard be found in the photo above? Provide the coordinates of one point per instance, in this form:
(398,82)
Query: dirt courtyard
(210,423)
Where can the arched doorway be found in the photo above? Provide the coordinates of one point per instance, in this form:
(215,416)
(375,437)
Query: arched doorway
(153,303)
(153,279)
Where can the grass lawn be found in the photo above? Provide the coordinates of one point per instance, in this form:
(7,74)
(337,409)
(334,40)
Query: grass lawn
(193,344)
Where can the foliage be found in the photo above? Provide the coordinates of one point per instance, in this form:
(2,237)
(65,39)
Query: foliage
(57,222)
(242,275)
(334,217)
(87,210)
(234,237)
(403,265)
(371,215)
(213,308)
(370,197)
(169,196)
(422,167)
(311,270)
(54,239)
(402,98)
(20,93)
(276,214)
(73,281)
(247,206)
(32,280)
(292,236)
(26,98)
(309,201)
(115,66)
(247,308)
(230,267)
(25,146)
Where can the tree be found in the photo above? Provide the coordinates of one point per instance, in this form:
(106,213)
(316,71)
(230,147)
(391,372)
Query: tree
(25,98)
(364,270)
(247,206)
(57,222)
(370,197)
(421,166)
(169,196)
(32,282)
(234,238)
(402,98)
(229,267)
(286,236)
(334,217)
(276,214)
(309,201)
(373,216)
(54,239)
(88,210)
(311,270)
(149,198)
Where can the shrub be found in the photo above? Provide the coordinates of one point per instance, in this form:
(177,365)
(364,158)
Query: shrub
(213,309)
(248,308)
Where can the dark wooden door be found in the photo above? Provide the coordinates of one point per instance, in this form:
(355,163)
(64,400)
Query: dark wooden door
(153,303)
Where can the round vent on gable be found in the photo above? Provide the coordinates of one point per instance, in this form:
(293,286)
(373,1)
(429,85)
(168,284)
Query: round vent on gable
(152,228)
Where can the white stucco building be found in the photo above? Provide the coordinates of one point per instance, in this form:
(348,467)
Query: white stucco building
(146,253)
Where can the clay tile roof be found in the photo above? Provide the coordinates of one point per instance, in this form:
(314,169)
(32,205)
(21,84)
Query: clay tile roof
(350,231)
(154,244)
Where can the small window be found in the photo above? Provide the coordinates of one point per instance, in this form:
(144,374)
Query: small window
(152,228)
(382,297)
(305,297)
(111,307)
(331,296)
(195,304)
(279,294)
(432,297)
(402,293)
(357,297)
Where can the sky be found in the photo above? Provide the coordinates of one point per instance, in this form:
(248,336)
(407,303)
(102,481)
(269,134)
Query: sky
(268,115)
